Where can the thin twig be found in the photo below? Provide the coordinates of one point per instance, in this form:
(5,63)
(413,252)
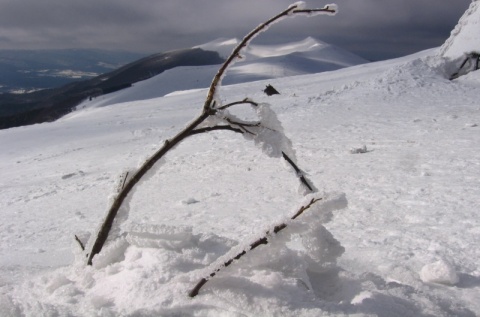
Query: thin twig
(308,11)
(253,245)
(299,172)
(215,128)
(245,101)
(82,246)
(244,125)
(244,43)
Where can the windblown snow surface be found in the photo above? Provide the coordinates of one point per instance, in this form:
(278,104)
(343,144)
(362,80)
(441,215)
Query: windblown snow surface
(393,148)
(465,38)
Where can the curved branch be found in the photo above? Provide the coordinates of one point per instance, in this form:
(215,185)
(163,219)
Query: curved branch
(208,110)
(246,40)
(106,226)
(215,128)
(244,101)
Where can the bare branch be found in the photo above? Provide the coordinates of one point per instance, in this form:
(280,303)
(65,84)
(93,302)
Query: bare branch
(327,9)
(253,245)
(215,128)
(244,101)
(243,124)
(131,182)
(82,246)
(299,172)
(244,43)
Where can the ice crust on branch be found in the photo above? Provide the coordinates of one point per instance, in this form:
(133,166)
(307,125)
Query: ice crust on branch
(316,249)
(299,5)
(267,133)
(332,6)
(296,8)
(269,136)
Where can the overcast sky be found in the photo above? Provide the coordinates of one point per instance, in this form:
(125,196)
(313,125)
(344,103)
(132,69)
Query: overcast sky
(375,29)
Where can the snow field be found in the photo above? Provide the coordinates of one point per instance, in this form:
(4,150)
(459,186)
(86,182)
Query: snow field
(410,227)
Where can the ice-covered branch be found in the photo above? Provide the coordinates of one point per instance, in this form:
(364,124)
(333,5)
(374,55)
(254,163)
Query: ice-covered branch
(261,241)
(267,132)
(295,9)
(330,9)
(101,236)
(215,128)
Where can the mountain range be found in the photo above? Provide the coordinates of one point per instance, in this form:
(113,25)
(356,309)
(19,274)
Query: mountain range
(174,70)
(23,71)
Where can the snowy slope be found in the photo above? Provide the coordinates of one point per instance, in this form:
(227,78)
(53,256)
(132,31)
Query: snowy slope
(260,62)
(405,245)
(465,38)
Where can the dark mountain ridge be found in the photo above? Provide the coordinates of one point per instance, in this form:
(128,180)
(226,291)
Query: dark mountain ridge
(30,70)
(51,104)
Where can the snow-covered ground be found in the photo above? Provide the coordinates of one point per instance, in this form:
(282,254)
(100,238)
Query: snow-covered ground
(393,148)
(412,215)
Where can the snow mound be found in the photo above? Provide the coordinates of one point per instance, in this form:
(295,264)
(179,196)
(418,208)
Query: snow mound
(151,271)
(405,78)
(441,272)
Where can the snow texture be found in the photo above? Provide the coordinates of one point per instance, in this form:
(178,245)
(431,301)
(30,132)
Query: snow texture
(465,37)
(405,245)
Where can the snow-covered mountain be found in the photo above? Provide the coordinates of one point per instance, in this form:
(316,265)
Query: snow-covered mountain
(174,70)
(304,57)
(259,62)
(465,38)
(392,147)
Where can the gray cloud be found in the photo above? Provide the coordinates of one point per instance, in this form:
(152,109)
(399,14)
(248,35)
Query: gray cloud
(373,28)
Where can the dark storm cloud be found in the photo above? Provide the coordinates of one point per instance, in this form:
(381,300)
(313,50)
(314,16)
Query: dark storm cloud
(374,28)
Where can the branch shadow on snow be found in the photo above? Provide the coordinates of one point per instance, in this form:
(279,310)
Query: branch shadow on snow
(371,294)
(468,281)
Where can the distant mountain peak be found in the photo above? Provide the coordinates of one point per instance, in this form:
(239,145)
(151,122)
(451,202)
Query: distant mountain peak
(225,46)
(221,45)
